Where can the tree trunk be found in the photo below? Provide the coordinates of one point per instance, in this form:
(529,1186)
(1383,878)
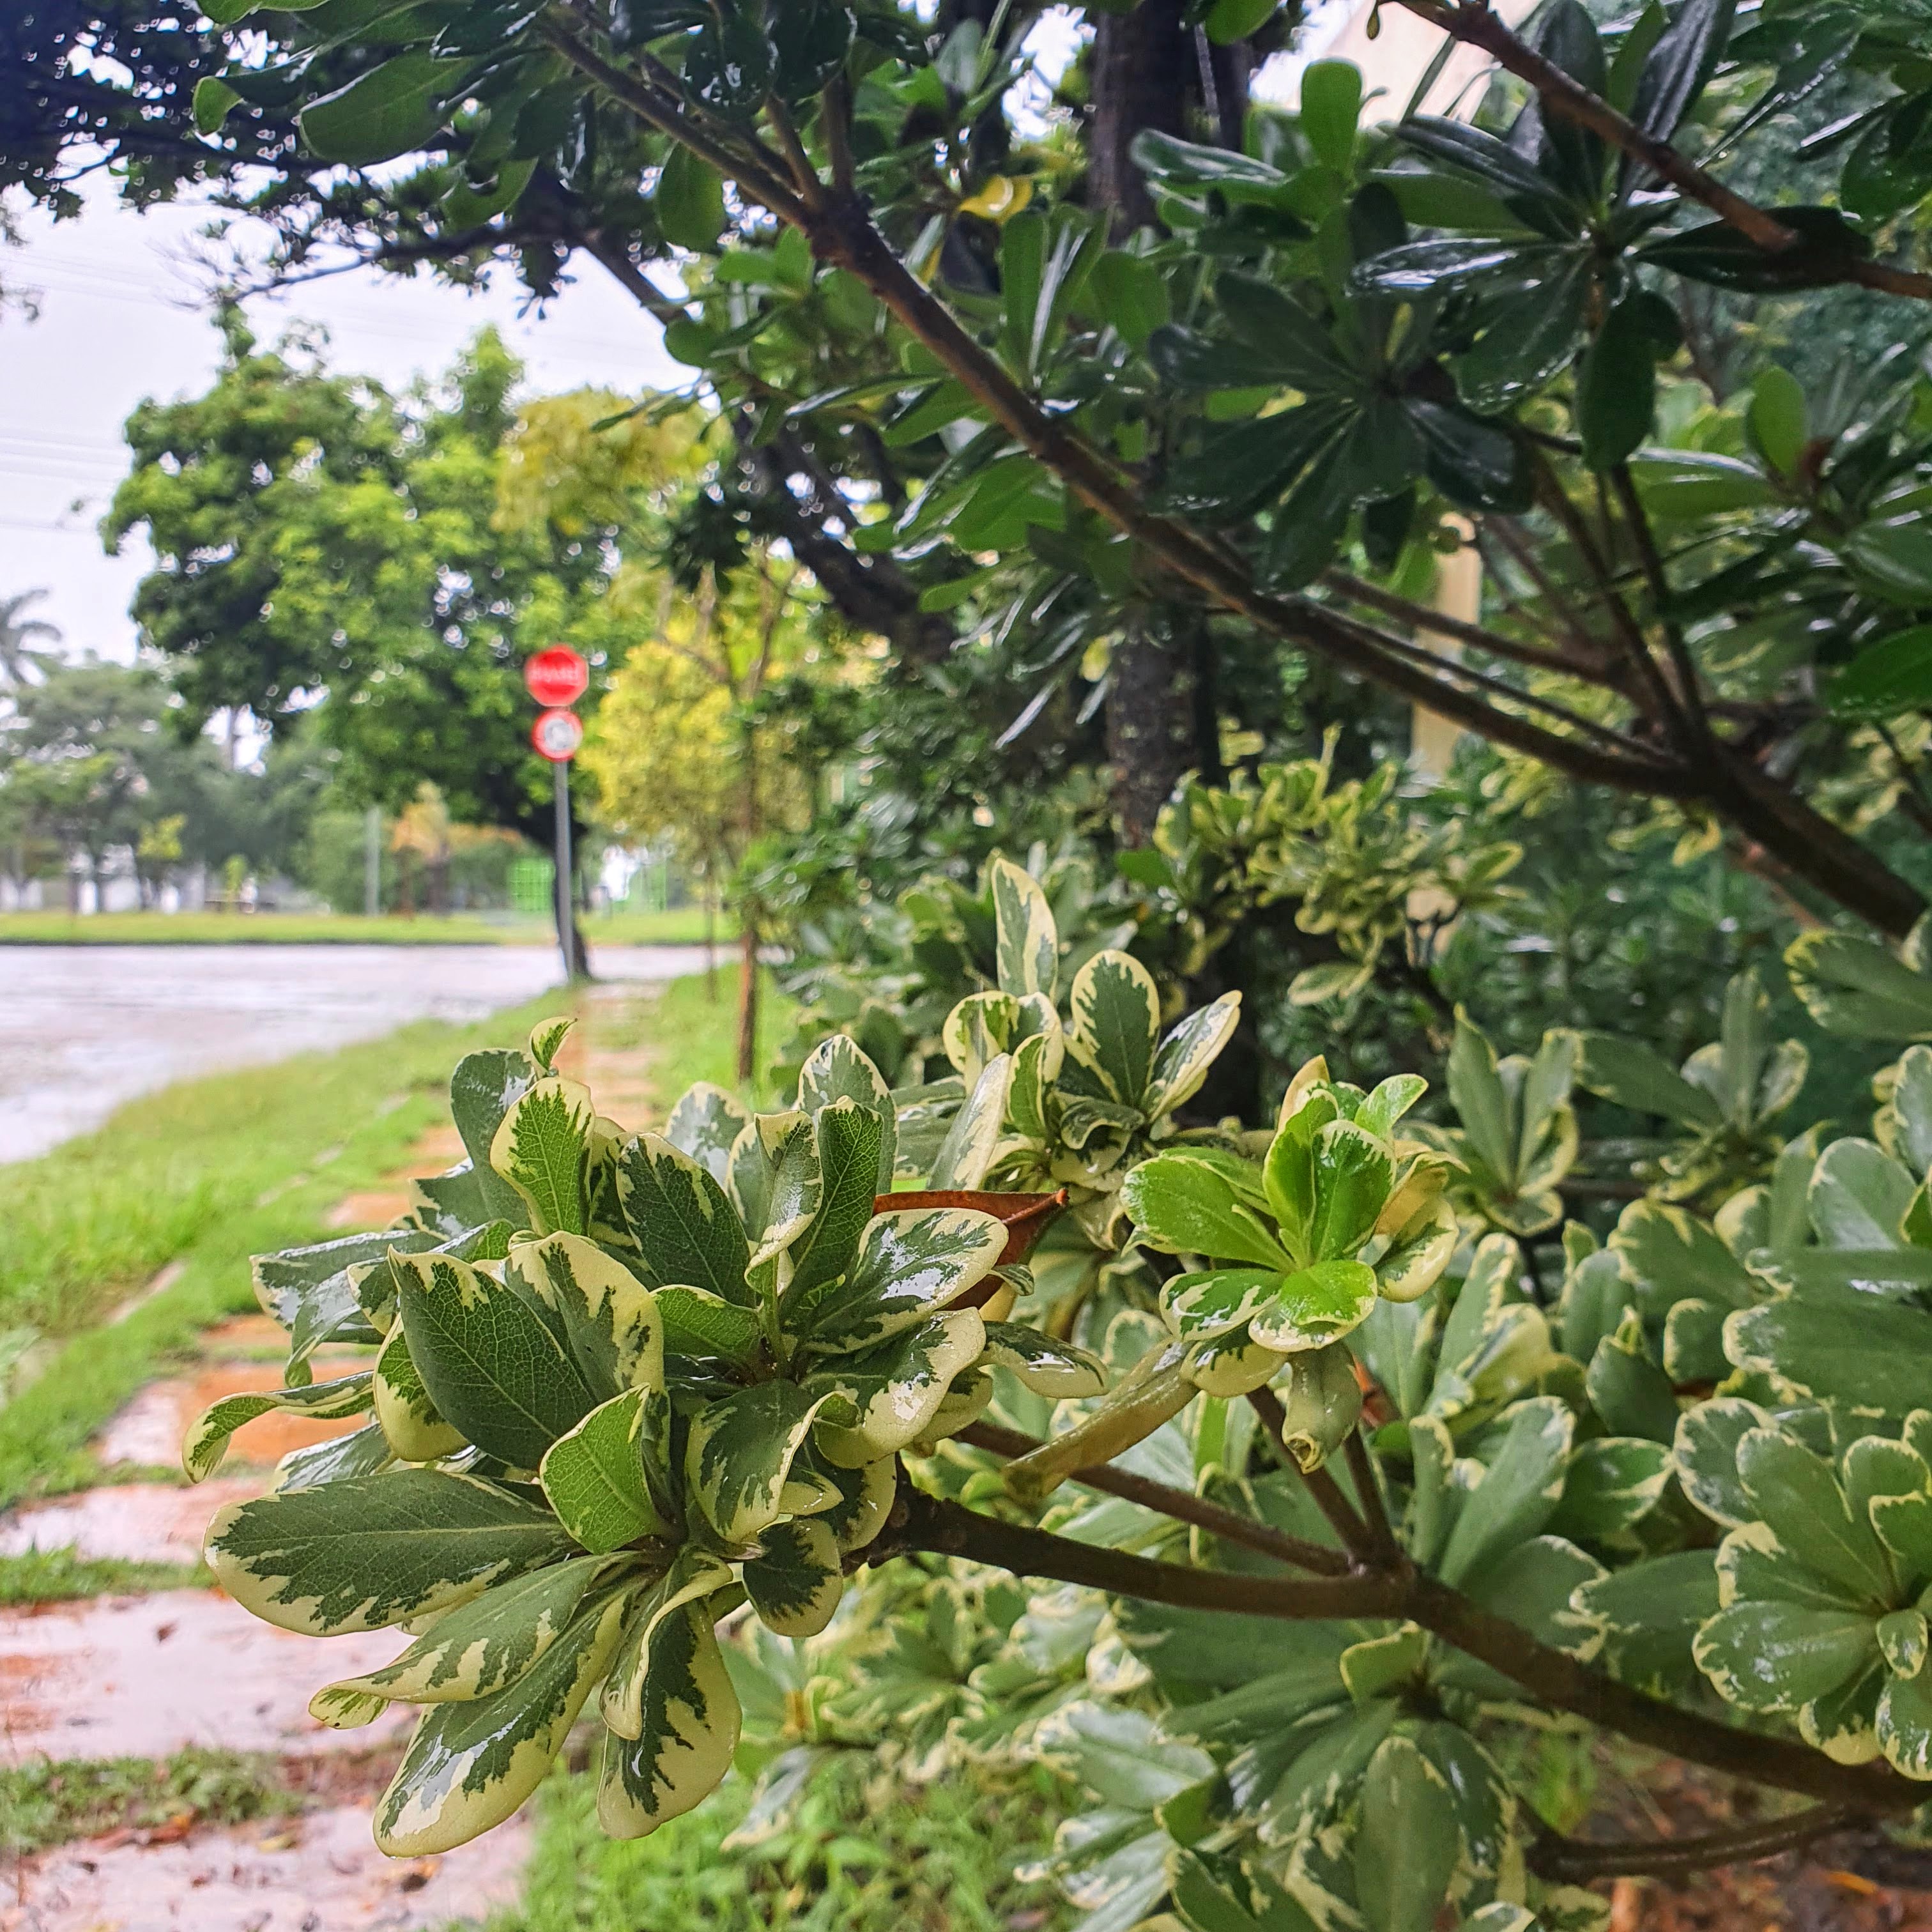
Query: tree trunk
(748,997)
(1152,70)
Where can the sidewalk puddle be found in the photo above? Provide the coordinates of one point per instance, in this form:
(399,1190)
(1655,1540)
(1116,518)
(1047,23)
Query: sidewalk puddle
(318,1872)
(142,1676)
(138,1523)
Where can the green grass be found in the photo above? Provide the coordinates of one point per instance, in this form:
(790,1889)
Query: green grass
(695,1032)
(938,1859)
(58,1576)
(685,926)
(44,1803)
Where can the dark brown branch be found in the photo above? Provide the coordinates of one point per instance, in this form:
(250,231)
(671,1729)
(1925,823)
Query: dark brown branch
(950,1529)
(1471,22)
(1181,1504)
(1322,1487)
(1385,1550)
(1690,690)
(1574,1861)
(1478,636)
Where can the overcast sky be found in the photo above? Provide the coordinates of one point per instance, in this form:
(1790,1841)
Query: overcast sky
(120,320)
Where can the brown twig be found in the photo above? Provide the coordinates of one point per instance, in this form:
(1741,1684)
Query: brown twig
(1182,1505)
(1575,1861)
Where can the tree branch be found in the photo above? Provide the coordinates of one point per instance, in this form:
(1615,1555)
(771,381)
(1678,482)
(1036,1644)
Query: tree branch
(1181,1504)
(1322,1487)
(1472,22)
(1574,1861)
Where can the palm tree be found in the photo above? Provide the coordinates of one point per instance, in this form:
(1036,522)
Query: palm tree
(20,664)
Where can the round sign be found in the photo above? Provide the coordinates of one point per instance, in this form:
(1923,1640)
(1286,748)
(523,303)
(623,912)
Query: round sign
(557,676)
(556,735)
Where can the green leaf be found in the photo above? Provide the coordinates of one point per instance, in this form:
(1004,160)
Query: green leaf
(1650,1613)
(1616,385)
(728,65)
(810,40)
(1119,1756)
(541,1150)
(1878,1366)
(1129,293)
(689,1726)
(1061,1371)
(1181,1064)
(1314,1306)
(695,1576)
(1184,1207)
(1405,1849)
(836,1069)
(1116,1021)
(474,1650)
(705,1124)
(1855,987)
(966,1153)
(1886,678)
(1353,1172)
(1217,1300)
(1630,1074)
(698,1323)
(740,1452)
(370,1551)
(1680,65)
(207,1442)
(1230,20)
(393,109)
(1777,418)
(1706,1456)
(1796,1493)
(686,1229)
(1628,1388)
(415,1430)
(470,1765)
(1520,1490)
(690,201)
(1903,1723)
(214,100)
(362,1453)
(1612,1484)
(493,1368)
(1028,940)
(876,1403)
(594,1477)
(606,1318)
(847,1139)
(1331,103)
(1494,162)
(911,1263)
(483,1087)
(1303,535)
(1858,1196)
(795,1582)
(1778,1657)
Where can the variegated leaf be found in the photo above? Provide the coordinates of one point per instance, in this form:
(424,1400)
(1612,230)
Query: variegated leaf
(1062,1370)
(308,1291)
(775,1181)
(865,1501)
(684,1224)
(493,1366)
(370,1551)
(972,1141)
(694,1575)
(1028,946)
(207,1442)
(699,1324)
(470,1765)
(880,1400)
(740,1450)
(795,1581)
(979,1028)
(1037,1065)
(1217,1301)
(705,1124)
(909,1265)
(1314,1306)
(594,1477)
(847,1139)
(362,1453)
(541,1149)
(1116,1020)
(479,1648)
(838,1070)
(604,1316)
(546,1037)
(483,1087)
(688,1730)
(1420,1254)
(416,1432)
(1181,1065)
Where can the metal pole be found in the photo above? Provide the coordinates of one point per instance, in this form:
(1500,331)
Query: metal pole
(372,861)
(566,926)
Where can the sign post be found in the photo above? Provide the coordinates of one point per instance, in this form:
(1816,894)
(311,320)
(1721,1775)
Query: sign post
(557,678)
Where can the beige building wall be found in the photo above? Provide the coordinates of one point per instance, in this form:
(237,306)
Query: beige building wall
(1393,66)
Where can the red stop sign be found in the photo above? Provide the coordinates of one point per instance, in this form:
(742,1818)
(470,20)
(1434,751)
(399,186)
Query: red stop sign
(557,676)
(556,735)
